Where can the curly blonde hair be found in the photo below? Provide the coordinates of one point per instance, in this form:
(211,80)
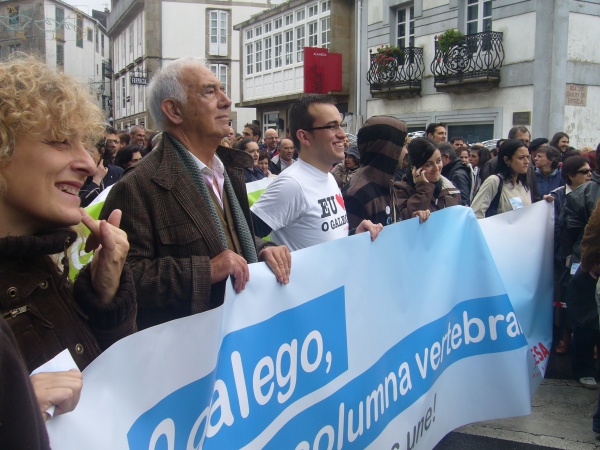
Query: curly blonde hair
(37,100)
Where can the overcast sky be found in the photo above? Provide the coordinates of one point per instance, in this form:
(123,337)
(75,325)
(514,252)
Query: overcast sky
(87,5)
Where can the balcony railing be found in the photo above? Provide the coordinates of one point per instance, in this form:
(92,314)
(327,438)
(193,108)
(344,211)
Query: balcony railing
(402,70)
(478,57)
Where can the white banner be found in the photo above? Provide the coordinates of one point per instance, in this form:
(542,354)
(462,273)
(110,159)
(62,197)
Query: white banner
(386,344)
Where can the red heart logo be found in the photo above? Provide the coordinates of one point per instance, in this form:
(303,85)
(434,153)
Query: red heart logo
(340,200)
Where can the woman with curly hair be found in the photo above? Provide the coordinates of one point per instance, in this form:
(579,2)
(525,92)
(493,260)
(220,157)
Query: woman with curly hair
(46,121)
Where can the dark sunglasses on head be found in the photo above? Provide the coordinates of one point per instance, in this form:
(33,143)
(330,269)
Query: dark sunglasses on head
(584,171)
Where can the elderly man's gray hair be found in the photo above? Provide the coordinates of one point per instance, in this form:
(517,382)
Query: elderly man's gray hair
(167,84)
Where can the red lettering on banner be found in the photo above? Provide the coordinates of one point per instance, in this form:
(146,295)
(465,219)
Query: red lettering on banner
(540,353)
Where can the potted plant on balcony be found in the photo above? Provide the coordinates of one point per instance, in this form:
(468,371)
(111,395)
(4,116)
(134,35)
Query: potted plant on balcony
(387,59)
(450,38)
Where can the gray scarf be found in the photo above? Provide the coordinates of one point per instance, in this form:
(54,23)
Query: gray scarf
(239,219)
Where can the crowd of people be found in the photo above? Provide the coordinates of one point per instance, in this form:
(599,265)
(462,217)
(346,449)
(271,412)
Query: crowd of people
(177,224)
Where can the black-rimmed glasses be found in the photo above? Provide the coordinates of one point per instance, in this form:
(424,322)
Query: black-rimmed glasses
(335,127)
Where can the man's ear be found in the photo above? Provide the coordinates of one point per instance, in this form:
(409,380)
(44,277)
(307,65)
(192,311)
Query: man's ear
(172,111)
(302,136)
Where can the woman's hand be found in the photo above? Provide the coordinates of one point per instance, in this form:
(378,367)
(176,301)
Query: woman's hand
(59,389)
(419,175)
(422,215)
(548,198)
(111,247)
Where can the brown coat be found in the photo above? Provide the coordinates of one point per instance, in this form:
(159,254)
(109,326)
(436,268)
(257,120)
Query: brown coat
(590,244)
(47,313)
(412,198)
(171,233)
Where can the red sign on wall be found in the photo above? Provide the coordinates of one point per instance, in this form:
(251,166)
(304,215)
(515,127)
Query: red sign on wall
(322,71)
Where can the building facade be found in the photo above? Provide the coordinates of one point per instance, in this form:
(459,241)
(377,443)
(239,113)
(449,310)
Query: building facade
(522,62)
(62,36)
(273,47)
(149,33)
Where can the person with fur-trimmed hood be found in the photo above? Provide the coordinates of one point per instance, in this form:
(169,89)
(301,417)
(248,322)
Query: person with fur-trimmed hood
(424,190)
(368,195)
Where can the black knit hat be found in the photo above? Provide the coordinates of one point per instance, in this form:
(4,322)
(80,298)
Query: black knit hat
(538,142)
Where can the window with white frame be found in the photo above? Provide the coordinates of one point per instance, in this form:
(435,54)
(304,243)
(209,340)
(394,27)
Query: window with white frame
(118,99)
(278,50)
(258,53)
(123,95)
(270,120)
(141,97)
(479,16)
(325,31)
(131,38)
(313,34)
(220,71)
(289,47)
(218,32)
(268,53)
(140,35)
(300,44)
(124,48)
(249,59)
(280,41)
(405,27)
(132,99)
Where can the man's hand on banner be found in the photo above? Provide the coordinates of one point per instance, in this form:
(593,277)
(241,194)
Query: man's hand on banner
(422,215)
(279,260)
(373,228)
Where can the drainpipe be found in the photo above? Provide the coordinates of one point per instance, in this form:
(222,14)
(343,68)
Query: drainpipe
(358,52)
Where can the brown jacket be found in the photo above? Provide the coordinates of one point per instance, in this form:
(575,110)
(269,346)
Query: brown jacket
(21,424)
(171,233)
(412,198)
(47,313)
(590,244)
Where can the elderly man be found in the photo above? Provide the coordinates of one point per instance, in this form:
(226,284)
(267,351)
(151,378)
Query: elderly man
(284,159)
(304,205)
(137,134)
(185,207)
(271,142)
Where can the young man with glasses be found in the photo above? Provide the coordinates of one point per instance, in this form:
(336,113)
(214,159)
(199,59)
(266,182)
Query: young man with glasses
(304,205)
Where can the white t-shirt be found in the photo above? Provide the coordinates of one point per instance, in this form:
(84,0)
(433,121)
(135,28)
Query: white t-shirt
(303,207)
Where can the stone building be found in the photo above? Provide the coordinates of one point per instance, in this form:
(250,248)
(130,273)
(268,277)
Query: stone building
(62,36)
(148,33)
(522,62)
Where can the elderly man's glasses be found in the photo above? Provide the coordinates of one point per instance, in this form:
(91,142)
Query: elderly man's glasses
(335,127)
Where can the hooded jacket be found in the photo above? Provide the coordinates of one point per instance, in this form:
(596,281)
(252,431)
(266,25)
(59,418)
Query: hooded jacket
(368,195)
(419,197)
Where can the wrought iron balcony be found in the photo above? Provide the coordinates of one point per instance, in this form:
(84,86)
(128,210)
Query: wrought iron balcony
(401,70)
(477,58)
